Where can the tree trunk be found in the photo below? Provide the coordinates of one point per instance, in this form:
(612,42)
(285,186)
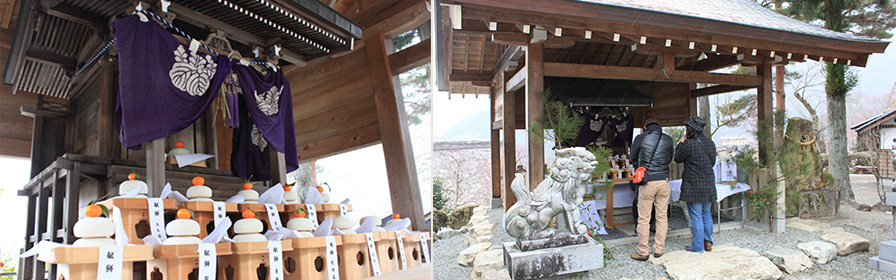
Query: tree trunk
(837,152)
(836,89)
(703,112)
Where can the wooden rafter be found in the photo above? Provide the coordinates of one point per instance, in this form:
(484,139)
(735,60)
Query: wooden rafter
(645,74)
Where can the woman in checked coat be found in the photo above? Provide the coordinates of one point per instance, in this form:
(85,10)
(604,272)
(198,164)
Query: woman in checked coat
(698,188)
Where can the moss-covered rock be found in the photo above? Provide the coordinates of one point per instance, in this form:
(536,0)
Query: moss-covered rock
(461,216)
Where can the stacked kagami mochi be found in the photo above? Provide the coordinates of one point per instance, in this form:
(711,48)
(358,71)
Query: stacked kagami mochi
(395,219)
(94,230)
(182,230)
(302,225)
(290,194)
(179,149)
(250,195)
(248,229)
(376,221)
(343,224)
(199,192)
(131,184)
(324,195)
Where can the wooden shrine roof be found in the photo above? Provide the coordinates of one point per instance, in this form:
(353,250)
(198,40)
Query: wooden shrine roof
(56,38)
(703,35)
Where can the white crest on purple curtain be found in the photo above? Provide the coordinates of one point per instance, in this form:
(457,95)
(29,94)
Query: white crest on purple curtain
(622,126)
(596,124)
(269,101)
(258,139)
(191,72)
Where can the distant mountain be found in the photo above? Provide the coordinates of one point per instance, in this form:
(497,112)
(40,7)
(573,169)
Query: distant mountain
(473,127)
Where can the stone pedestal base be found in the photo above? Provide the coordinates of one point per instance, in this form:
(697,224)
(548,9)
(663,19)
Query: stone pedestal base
(497,202)
(886,261)
(549,262)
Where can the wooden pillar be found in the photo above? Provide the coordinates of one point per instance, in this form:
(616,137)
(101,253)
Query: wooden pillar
(278,167)
(509,121)
(37,153)
(27,268)
(403,185)
(72,199)
(497,89)
(40,226)
(692,102)
(535,106)
(155,167)
(105,126)
(765,111)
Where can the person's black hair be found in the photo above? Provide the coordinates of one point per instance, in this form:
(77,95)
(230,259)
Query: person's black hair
(690,133)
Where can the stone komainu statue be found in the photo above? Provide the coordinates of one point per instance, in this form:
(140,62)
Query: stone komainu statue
(559,196)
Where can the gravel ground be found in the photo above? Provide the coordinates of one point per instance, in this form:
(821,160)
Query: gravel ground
(875,226)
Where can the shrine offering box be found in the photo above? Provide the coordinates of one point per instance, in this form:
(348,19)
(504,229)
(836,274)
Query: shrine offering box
(262,211)
(77,263)
(204,214)
(387,251)
(329,210)
(354,257)
(412,249)
(308,258)
(250,260)
(182,261)
(135,215)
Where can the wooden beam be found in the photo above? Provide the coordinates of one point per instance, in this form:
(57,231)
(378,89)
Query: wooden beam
(518,80)
(394,24)
(403,185)
(68,12)
(469,76)
(411,57)
(712,62)
(522,39)
(535,67)
(34,113)
(505,60)
(444,33)
(646,74)
(717,90)
(765,109)
(509,145)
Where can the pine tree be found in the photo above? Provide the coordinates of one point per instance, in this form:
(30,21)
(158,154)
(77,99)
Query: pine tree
(869,18)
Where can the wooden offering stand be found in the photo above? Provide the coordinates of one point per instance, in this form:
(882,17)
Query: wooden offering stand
(328,210)
(135,215)
(308,259)
(204,214)
(412,249)
(76,263)
(183,260)
(354,262)
(249,260)
(387,251)
(258,207)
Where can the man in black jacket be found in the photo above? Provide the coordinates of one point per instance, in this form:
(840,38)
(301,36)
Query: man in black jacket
(652,150)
